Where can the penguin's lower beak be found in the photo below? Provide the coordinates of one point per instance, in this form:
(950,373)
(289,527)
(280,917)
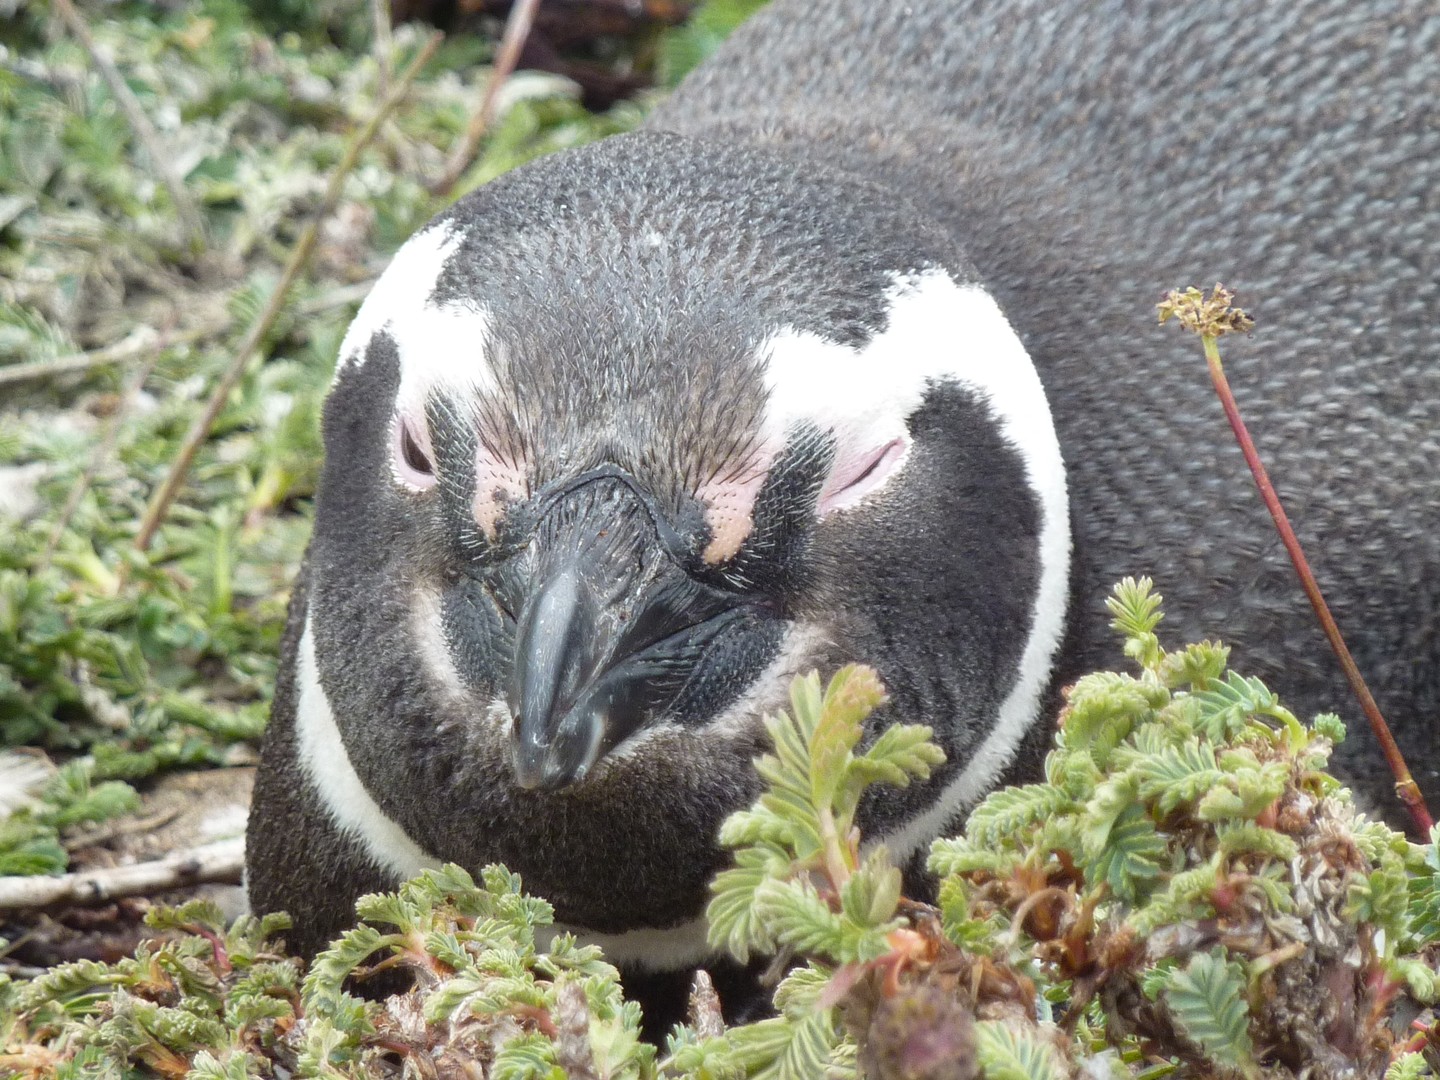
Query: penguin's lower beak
(608,635)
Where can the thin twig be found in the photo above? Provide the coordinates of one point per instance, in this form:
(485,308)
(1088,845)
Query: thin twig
(11,944)
(185,206)
(383,45)
(221,861)
(517,30)
(138,342)
(1211,317)
(294,266)
(1405,786)
(144,339)
(127,826)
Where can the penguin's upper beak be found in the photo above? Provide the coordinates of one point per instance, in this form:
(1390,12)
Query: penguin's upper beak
(610,631)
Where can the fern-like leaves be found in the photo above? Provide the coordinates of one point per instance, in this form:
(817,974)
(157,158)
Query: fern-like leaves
(804,822)
(1006,1055)
(1207,998)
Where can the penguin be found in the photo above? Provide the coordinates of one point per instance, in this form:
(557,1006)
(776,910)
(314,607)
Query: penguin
(850,355)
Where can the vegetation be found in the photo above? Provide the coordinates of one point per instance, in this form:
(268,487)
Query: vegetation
(1187,894)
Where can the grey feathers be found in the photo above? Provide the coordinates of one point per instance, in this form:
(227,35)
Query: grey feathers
(630,436)
(1088,157)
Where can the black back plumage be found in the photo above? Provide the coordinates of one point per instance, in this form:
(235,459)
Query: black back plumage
(1089,157)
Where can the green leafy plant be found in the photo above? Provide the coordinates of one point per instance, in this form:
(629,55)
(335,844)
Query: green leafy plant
(800,882)
(205,1001)
(215,1000)
(1189,873)
(709,24)
(1188,893)
(803,826)
(30,833)
(483,990)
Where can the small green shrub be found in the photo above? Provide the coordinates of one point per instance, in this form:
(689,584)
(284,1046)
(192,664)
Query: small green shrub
(1188,893)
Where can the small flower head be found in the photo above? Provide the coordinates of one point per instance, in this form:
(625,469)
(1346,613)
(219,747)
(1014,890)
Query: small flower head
(1207,315)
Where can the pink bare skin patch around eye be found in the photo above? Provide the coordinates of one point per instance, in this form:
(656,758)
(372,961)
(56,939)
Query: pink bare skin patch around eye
(412,461)
(859,470)
(730,502)
(730,511)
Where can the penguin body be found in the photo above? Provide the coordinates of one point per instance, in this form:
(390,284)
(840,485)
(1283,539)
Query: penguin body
(851,356)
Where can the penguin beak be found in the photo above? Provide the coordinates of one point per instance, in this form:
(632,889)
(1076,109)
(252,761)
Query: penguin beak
(560,711)
(606,639)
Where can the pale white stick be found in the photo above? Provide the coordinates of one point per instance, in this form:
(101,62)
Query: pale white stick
(221,861)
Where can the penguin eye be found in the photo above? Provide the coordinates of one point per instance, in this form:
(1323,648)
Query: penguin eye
(855,476)
(413,462)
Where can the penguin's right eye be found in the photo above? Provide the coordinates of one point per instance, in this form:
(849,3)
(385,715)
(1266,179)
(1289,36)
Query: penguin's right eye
(414,464)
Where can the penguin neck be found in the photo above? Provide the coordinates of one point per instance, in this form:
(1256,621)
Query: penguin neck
(326,766)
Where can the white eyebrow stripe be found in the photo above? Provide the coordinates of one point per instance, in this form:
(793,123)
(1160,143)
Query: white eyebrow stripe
(936,330)
(940,330)
(439,345)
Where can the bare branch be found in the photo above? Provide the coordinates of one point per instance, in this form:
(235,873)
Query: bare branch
(136,343)
(126,826)
(144,339)
(517,30)
(185,206)
(383,44)
(221,862)
(294,266)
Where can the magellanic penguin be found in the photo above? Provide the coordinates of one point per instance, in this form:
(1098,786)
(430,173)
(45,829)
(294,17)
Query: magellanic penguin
(851,355)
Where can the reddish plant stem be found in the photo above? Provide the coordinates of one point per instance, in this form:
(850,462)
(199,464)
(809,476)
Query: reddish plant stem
(217,946)
(1405,786)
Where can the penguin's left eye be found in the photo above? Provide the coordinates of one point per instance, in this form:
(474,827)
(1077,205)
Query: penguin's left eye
(413,461)
(856,474)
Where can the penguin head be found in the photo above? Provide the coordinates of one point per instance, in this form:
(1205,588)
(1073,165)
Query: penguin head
(627,437)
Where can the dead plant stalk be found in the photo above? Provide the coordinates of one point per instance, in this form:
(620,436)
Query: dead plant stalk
(1211,317)
(185,206)
(517,30)
(299,258)
(221,861)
